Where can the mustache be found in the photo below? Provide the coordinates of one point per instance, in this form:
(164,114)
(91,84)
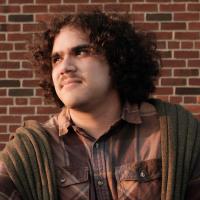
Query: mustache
(66,78)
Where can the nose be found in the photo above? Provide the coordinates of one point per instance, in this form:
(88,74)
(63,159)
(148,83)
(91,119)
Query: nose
(68,65)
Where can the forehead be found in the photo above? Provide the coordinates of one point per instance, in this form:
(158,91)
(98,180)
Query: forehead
(70,37)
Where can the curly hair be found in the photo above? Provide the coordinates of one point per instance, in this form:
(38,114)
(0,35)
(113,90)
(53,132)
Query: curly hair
(132,56)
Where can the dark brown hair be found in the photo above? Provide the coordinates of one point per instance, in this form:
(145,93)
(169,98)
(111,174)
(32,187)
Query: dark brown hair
(132,56)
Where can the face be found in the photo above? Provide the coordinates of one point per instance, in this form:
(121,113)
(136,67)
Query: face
(80,75)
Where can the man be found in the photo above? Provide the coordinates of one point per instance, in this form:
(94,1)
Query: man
(110,141)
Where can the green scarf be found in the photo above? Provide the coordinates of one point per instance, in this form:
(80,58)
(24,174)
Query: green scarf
(29,163)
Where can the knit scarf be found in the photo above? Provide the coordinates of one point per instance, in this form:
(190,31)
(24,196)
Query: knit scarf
(28,160)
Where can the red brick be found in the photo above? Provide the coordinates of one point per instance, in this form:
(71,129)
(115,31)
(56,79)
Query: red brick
(30,83)
(173,81)
(90,7)
(187,35)
(173,45)
(2,74)
(164,90)
(173,26)
(6,46)
(21,110)
(9,9)
(48,1)
(20,1)
(172,7)
(132,1)
(197,45)
(144,7)
(39,92)
(10,119)
(35,101)
(20,18)
(137,17)
(147,26)
(164,35)
(2,37)
(188,90)
(33,27)
(159,17)
(12,128)
(20,74)
(4,137)
(194,26)
(47,110)
(186,16)
(161,45)
(3,110)
(158,1)
(9,65)
(3,56)
(3,128)
(190,99)
(62,8)
(186,45)
(176,100)
(39,118)
(21,101)
(6,101)
(194,81)
(117,7)
(193,7)
(165,54)
(9,83)
(186,72)
(2,18)
(27,65)
(19,55)
(103,1)
(10,27)
(186,54)
(20,92)
(194,63)
(76,1)
(19,36)
(2,92)
(44,17)
(20,46)
(166,72)
(34,9)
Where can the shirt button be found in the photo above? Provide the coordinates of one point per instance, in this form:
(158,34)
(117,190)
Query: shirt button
(97,145)
(100,183)
(62,180)
(142,174)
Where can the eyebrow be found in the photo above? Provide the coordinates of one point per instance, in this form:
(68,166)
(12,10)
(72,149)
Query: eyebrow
(73,49)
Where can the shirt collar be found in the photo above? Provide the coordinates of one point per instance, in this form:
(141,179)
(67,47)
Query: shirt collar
(132,113)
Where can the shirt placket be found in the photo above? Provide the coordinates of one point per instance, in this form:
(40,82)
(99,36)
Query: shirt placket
(99,168)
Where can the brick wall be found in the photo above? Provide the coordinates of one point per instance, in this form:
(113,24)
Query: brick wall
(177,26)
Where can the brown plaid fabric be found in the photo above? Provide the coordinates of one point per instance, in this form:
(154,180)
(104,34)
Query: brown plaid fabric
(124,163)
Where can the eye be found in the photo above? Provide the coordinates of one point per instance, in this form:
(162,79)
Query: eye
(55,59)
(82,52)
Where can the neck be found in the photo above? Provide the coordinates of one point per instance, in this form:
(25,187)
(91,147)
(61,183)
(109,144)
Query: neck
(99,119)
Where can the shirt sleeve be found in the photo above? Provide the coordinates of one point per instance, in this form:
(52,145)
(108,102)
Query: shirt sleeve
(7,188)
